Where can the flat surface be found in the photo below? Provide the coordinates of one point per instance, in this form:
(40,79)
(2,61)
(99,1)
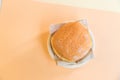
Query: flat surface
(0,3)
(107,5)
(24,29)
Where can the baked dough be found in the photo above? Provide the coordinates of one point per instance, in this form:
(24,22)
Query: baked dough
(71,42)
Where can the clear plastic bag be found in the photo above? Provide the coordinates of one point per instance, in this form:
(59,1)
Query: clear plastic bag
(65,64)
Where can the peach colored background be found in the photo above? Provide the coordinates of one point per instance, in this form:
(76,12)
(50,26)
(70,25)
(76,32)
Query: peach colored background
(24,26)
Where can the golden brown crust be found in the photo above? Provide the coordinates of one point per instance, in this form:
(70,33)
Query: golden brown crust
(71,42)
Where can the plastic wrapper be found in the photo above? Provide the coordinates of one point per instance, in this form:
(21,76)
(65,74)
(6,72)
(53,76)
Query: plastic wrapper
(65,64)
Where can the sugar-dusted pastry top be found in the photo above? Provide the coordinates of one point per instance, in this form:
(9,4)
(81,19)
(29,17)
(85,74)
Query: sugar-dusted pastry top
(71,42)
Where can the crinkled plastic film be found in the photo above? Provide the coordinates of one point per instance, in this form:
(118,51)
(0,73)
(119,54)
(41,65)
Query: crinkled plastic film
(65,64)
